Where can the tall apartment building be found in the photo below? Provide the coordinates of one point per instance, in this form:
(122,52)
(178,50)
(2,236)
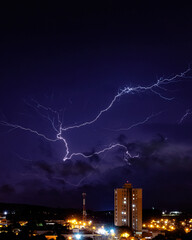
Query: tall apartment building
(128,207)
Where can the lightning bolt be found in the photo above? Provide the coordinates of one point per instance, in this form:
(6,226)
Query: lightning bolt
(187,113)
(15,126)
(159,85)
(54,118)
(102,151)
(136,124)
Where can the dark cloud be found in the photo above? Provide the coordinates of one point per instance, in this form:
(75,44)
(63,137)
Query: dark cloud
(160,162)
(122,139)
(94,158)
(46,167)
(31,182)
(45,149)
(164,154)
(144,149)
(76,167)
(7,189)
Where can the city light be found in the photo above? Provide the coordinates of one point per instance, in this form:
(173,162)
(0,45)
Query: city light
(168,225)
(187,230)
(78,236)
(74,223)
(102,231)
(126,235)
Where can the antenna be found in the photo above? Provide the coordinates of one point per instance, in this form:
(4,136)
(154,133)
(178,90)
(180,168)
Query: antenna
(84,209)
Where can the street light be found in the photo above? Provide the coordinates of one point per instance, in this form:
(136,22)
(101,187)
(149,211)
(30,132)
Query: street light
(78,236)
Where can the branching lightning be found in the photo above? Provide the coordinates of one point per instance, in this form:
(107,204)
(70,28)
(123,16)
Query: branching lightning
(104,150)
(159,85)
(187,113)
(57,124)
(136,124)
(15,126)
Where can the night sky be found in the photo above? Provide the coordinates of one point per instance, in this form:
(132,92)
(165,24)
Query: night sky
(71,60)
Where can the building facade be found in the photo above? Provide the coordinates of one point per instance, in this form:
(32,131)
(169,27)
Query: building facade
(128,207)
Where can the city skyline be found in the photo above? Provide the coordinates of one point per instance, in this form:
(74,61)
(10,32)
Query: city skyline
(92,96)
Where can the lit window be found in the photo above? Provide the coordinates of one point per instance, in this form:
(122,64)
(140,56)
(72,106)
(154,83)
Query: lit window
(124,202)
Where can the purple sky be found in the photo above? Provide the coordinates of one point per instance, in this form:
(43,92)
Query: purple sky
(74,59)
